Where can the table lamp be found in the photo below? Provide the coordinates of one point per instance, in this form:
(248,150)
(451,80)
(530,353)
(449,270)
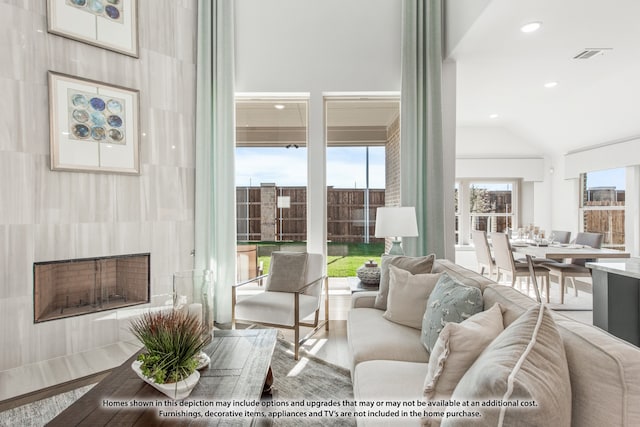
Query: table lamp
(396,222)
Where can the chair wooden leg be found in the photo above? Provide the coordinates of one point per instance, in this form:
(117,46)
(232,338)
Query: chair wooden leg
(562,288)
(296,325)
(575,288)
(233,307)
(547,280)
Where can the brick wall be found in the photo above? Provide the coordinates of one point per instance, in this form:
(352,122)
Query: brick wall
(83,286)
(392,169)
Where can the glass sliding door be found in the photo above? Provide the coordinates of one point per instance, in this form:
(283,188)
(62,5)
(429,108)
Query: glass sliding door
(271,179)
(359,133)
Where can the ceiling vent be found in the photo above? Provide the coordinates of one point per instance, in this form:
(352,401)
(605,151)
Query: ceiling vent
(590,53)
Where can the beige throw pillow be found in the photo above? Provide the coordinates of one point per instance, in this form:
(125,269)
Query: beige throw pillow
(457,347)
(414,265)
(287,271)
(522,375)
(408,294)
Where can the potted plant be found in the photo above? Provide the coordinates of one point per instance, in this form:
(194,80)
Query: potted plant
(173,341)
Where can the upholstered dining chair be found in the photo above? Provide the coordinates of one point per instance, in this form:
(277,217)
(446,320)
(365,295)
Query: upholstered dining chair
(572,268)
(483,252)
(561,236)
(505,264)
(293,293)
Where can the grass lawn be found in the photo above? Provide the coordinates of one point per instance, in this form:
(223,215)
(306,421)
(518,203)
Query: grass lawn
(345,266)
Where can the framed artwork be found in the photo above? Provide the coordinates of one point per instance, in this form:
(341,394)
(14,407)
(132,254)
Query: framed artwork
(93,126)
(111,24)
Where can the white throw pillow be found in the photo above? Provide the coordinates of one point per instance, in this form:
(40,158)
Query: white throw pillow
(523,373)
(408,295)
(457,347)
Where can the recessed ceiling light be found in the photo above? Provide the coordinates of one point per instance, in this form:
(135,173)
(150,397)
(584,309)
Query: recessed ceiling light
(550,84)
(493,116)
(531,27)
(279,106)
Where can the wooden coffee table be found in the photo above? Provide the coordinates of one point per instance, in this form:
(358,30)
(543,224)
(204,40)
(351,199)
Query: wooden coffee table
(239,370)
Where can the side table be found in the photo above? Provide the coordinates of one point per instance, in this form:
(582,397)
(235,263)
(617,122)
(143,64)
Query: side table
(355,285)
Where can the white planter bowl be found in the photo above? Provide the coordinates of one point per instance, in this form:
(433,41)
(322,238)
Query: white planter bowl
(177,391)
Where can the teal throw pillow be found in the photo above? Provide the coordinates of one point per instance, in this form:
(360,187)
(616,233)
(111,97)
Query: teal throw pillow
(450,301)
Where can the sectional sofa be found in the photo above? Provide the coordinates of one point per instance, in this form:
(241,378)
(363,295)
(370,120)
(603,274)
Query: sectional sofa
(389,363)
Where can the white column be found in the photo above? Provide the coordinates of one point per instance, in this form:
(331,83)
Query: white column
(632,210)
(316,173)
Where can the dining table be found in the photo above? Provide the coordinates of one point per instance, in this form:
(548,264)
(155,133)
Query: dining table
(563,251)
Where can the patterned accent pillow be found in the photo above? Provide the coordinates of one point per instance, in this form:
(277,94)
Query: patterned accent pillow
(450,301)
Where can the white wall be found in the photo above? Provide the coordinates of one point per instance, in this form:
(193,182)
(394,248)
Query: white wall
(317,46)
(496,152)
(48,215)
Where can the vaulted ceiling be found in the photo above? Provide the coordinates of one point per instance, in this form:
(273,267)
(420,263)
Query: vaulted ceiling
(502,72)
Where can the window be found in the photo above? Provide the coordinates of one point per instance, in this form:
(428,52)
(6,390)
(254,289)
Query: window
(490,206)
(602,205)
(271,170)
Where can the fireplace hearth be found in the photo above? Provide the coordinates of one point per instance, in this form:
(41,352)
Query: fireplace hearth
(81,286)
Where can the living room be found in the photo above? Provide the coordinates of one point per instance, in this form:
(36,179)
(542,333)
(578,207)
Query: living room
(283,48)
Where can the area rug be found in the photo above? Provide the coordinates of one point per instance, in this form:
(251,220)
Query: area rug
(303,386)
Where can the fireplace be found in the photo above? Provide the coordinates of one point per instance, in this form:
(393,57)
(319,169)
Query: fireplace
(81,286)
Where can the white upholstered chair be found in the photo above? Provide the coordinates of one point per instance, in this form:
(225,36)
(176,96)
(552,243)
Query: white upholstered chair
(293,293)
(483,252)
(505,264)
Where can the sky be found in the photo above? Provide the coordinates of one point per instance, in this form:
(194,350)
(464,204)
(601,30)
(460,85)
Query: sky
(346,166)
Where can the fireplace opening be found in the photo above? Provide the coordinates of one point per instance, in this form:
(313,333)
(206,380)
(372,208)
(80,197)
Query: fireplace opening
(81,286)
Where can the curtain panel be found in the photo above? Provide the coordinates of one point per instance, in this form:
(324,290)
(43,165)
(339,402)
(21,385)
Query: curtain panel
(421,132)
(215,216)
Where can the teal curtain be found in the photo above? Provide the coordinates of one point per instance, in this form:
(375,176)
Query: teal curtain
(215,216)
(421,132)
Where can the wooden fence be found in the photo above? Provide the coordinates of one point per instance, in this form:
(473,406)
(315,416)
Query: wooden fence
(346,215)
(609,222)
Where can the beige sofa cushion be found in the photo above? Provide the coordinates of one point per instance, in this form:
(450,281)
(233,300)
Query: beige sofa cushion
(414,265)
(372,337)
(526,363)
(605,375)
(457,347)
(388,380)
(408,295)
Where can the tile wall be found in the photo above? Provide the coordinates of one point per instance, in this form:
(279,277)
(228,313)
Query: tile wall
(47,215)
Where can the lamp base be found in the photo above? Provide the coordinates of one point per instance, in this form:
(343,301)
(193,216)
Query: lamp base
(396,249)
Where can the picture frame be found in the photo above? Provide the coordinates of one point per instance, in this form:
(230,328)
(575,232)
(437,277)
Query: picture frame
(109,24)
(93,126)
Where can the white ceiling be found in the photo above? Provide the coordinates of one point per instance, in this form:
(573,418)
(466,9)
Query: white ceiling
(502,71)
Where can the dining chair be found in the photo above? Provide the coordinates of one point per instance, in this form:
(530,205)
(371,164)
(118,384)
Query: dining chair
(293,293)
(505,264)
(483,252)
(534,280)
(572,268)
(561,236)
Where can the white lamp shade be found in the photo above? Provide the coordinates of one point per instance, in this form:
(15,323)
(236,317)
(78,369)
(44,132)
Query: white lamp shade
(396,222)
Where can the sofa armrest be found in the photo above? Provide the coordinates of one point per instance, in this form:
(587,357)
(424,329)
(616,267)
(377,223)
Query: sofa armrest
(365,299)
